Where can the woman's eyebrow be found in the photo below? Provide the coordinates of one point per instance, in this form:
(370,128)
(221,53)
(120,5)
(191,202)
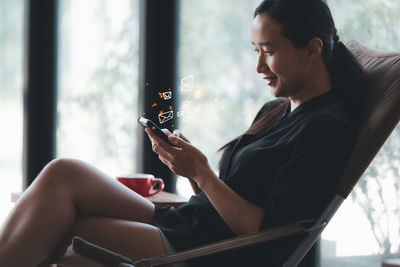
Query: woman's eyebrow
(264,44)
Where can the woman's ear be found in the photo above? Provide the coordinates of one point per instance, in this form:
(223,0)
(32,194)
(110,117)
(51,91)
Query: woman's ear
(314,49)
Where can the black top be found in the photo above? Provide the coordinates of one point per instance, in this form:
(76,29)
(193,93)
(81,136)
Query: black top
(290,170)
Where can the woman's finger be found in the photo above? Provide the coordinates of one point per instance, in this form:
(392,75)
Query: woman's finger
(178,133)
(178,142)
(160,150)
(157,139)
(166,131)
(160,147)
(164,160)
(153,137)
(150,134)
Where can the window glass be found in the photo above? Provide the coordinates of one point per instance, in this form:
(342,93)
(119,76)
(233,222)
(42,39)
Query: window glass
(216,54)
(11,109)
(365,230)
(97,83)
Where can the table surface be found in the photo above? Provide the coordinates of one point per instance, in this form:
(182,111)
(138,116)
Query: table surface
(161,199)
(391,263)
(167,198)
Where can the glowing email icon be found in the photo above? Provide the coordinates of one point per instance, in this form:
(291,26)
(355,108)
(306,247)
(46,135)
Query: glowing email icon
(167,95)
(187,84)
(180,113)
(165,116)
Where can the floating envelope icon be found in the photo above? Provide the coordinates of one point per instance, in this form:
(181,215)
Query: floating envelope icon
(187,84)
(180,113)
(165,116)
(167,95)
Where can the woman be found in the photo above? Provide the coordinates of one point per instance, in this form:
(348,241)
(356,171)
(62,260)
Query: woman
(282,169)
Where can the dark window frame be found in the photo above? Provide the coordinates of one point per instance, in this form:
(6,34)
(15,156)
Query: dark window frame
(39,88)
(157,71)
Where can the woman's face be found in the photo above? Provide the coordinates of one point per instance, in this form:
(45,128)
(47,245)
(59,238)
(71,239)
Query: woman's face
(281,64)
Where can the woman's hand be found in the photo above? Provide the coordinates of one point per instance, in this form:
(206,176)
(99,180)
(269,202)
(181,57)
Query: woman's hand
(178,133)
(184,159)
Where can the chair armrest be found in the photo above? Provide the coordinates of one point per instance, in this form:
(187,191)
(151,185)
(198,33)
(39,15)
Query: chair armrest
(236,242)
(98,254)
(232,243)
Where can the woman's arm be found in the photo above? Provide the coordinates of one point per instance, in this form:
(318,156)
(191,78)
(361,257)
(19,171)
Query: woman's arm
(241,216)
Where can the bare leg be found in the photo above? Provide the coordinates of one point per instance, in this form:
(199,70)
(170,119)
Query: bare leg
(46,212)
(131,239)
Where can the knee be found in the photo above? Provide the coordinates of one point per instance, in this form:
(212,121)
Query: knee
(58,171)
(58,165)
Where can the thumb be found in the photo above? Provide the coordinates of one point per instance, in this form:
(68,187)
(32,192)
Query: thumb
(179,142)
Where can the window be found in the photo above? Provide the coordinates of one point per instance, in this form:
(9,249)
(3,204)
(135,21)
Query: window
(11,85)
(97,83)
(365,229)
(215,51)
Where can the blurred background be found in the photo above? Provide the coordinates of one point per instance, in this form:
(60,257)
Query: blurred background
(110,61)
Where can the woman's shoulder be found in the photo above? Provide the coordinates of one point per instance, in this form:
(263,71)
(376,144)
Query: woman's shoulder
(271,104)
(334,114)
(268,106)
(324,126)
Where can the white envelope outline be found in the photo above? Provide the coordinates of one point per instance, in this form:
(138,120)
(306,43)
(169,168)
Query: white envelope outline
(180,113)
(187,84)
(165,116)
(167,95)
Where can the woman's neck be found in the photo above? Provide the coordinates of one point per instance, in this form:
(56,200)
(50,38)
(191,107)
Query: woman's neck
(318,84)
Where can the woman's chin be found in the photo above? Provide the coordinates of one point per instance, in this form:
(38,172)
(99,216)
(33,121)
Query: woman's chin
(274,91)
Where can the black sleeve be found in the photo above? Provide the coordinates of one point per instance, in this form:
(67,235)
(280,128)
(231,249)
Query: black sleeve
(305,183)
(265,108)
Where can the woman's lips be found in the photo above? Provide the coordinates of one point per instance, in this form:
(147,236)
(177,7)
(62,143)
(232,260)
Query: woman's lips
(270,79)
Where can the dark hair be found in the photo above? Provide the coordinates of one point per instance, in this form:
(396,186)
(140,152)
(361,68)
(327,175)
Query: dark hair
(301,21)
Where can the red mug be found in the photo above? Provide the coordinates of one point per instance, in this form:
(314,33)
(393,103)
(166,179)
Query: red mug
(141,183)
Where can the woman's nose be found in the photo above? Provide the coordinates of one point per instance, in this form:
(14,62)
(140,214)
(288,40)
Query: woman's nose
(261,64)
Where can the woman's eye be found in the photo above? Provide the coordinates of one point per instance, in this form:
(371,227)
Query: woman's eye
(264,52)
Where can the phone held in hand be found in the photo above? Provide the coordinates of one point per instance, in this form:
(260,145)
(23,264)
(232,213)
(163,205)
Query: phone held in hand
(148,123)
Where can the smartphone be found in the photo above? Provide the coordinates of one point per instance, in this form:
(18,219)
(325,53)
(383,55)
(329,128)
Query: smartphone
(148,123)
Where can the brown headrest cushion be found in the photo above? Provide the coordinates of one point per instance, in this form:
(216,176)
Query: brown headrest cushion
(380,112)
